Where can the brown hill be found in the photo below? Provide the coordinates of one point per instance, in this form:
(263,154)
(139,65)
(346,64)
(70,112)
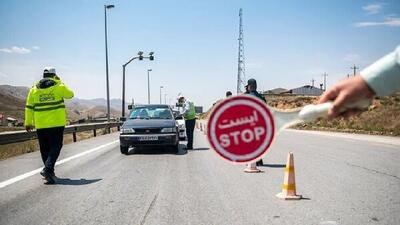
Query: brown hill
(12,104)
(19,92)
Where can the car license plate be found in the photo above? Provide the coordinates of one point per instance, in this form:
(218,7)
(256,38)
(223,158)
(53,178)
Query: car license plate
(148,138)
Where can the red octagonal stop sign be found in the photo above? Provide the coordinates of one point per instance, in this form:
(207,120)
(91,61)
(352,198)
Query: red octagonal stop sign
(241,129)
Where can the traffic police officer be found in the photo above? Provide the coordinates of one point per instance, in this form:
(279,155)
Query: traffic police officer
(45,111)
(251,89)
(189,114)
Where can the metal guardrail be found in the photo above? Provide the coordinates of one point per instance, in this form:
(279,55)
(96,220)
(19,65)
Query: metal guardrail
(20,136)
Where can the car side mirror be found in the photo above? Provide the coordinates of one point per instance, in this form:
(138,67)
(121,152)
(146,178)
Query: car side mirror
(129,107)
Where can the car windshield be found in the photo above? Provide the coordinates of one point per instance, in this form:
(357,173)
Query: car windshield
(151,112)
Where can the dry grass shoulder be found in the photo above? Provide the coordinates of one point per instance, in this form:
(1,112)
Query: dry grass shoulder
(383,116)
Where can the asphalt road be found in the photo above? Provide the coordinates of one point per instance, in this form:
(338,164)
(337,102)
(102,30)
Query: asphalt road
(344,180)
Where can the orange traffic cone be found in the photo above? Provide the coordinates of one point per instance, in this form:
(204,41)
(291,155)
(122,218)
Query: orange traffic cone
(289,183)
(252,168)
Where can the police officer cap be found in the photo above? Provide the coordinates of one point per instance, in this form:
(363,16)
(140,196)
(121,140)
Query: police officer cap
(180,95)
(252,82)
(49,69)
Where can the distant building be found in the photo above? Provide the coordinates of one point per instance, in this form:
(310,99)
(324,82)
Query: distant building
(276,91)
(306,90)
(12,122)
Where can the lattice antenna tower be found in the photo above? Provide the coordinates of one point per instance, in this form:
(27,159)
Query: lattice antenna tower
(241,76)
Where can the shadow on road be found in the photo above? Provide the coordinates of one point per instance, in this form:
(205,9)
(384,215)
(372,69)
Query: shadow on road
(67,181)
(155,150)
(274,165)
(200,149)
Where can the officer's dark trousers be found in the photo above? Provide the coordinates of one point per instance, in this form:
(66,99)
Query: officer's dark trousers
(51,142)
(189,131)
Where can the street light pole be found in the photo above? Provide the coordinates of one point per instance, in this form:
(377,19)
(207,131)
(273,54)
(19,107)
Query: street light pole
(160,93)
(140,57)
(107,80)
(123,90)
(148,85)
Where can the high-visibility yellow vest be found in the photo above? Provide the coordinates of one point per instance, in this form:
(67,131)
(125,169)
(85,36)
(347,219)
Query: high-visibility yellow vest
(190,110)
(45,106)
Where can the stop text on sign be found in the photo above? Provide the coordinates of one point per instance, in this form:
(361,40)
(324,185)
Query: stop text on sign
(241,129)
(241,136)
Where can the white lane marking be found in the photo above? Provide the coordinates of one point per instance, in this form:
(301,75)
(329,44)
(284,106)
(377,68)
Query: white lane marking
(36,171)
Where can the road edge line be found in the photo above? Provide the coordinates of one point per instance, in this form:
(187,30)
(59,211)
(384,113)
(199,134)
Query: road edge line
(5,183)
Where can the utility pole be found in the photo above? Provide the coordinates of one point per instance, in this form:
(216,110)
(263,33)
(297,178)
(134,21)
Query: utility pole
(354,68)
(312,82)
(325,75)
(241,76)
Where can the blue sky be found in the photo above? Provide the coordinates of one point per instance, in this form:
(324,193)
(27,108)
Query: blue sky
(287,43)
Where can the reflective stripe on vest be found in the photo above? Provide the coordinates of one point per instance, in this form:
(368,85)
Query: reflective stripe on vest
(44,106)
(49,108)
(49,103)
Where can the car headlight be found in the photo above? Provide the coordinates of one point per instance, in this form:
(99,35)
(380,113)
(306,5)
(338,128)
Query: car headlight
(127,130)
(181,126)
(168,130)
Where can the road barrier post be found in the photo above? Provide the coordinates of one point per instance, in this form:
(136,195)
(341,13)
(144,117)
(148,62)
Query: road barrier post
(74,136)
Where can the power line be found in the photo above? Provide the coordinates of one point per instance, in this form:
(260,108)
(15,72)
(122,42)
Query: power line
(354,68)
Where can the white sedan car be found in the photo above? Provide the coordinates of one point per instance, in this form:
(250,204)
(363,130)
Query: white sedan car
(181,127)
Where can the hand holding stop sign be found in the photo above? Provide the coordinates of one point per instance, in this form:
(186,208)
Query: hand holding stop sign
(242,128)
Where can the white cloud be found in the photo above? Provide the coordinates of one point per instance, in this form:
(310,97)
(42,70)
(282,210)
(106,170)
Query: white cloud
(373,8)
(35,47)
(16,49)
(6,50)
(388,22)
(352,57)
